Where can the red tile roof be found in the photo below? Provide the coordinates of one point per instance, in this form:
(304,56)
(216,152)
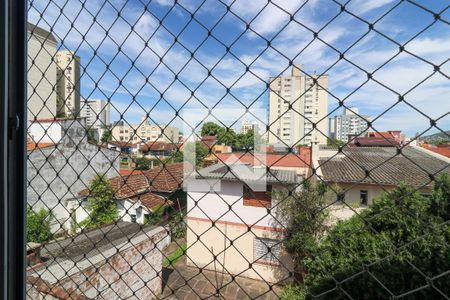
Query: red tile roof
(439,149)
(48,120)
(375,142)
(32,146)
(272,160)
(155,146)
(165,179)
(151,200)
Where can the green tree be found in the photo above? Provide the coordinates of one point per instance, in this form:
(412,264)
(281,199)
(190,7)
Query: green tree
(91,136)
(157,216)
(101,206)
(211,128)
(305,220)
(335,142)
(143,163)
(226,136)
(201,151)
(401,233)
(38,225)
(106,136)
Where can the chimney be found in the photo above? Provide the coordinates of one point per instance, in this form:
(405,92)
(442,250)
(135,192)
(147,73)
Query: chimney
(305,153)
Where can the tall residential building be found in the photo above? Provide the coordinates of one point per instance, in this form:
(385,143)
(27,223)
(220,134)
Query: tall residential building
(247,125)
(350,122)
(41,95)
(295,103)
(144,131)
(96,112)
(68,83)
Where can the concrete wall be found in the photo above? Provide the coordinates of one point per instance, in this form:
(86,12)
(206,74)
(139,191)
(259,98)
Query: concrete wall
(212,206)
(132,273)
(236,258)
(45,132)
(41,77)
(57,174)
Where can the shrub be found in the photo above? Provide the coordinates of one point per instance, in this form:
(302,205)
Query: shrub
(38,225)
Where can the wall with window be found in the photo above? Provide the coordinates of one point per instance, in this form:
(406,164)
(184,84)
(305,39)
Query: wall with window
(233,210)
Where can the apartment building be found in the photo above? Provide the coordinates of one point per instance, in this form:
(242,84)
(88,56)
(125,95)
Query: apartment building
(96,111)
(350,122)
(144,131)
(68,83)
(296,103)
(41,73)
(247,126)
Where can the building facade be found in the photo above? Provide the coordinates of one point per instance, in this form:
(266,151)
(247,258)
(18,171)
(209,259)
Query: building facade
(52,178)
(247,126)
(350,122)
(68,83)
(96,111)
(41,51)
(256,235)
(296,102)
(134,133)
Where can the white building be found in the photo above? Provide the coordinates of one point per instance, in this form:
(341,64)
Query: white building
(68,83)
(247,125)
(350,122)
(144,131)
(41,73)
(295,103)
(231,211)
(96,111)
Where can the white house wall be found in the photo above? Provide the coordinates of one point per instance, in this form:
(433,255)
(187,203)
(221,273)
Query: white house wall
(212,206)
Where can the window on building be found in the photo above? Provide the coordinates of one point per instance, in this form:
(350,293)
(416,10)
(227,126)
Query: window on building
(133,218)
(266,250)
(363,197)
(257,199)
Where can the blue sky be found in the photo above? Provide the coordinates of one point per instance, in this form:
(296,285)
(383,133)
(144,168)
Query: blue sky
(136,55)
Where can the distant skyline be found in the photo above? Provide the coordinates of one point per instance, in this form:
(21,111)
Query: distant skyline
(401,74)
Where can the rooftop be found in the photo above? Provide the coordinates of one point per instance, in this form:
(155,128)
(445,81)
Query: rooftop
(385,166)
(164,179)
(271,160)
(41,32)
(245,172)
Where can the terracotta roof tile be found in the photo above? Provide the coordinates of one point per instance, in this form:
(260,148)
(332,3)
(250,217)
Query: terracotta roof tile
(159,179)
(151,200)
(271,160)
(32,146)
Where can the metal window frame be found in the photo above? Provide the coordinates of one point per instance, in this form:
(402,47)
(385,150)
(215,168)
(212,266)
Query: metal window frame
(13,90)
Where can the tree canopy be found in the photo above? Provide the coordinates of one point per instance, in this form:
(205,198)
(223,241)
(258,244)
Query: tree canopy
(211,128)
(38,225)
(101,206)
(399,244)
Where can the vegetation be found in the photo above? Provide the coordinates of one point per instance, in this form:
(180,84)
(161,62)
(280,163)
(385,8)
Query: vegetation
(91,136)
(106,137)
(201,151)
(306,221)
(177,226)
(335,142)
(101,206)
(175,256)
(156,217)
(401,240)
(211,128)
(227,136)
(38,225)
(143,163)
